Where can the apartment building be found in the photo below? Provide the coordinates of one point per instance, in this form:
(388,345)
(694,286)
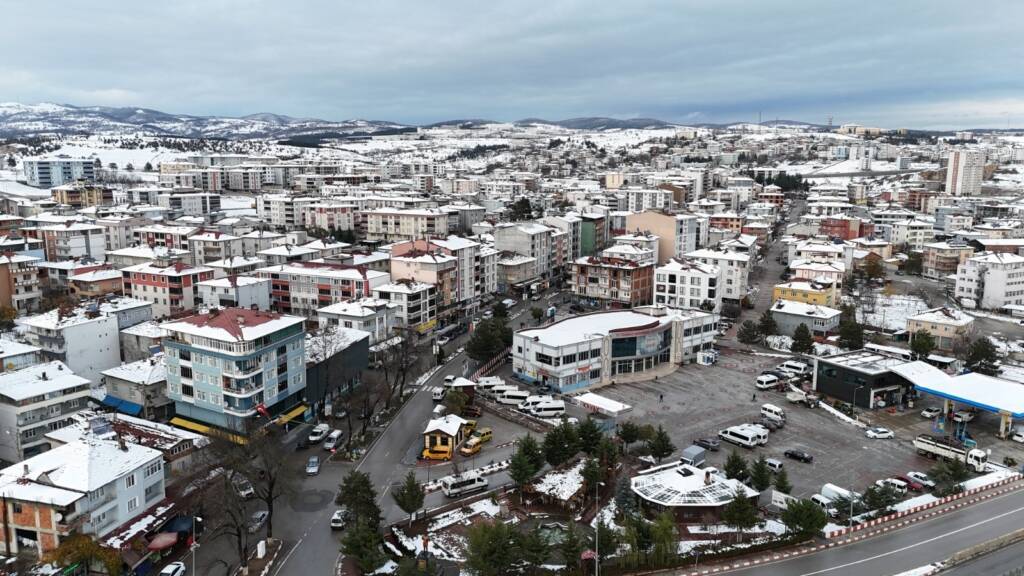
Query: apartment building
(572,225)
(139,389)
(789,315)
(416,303)
(171,287)
(991,281)
(96,283)
(949,327)
(942,259)
(468,269)
(396,225)
(527,239)
(189,203)
(210,246)
(612,281)
(236,292)
(964,172)
(165,235)
(329,216)
(119,230)
(913,234)
(228,368)
(19,283)
(235,266)
(35,400)
(258,240)
(141,254)
(302,288)
(91,486)
(815,293)
(688,283)
(50,172)
(677,234)
(284,212)
(378,317)
(734,267)
(80,195)
(72,240)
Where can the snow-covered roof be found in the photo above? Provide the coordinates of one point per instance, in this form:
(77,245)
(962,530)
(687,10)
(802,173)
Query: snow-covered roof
(17,258)
(602,404)
(39,380)
(561,484)
(175,269)
(802,309)
(324,270)
(454,243)
(9,348)
(449,425)
(235,262)
(688,265)
(680,485)
(323,245)
(407,287)
(358,308)
(598,324)
(132,429)
(148,329)
(331,340)
(82,466)
(96,276)
(943,315)
(233,324)
(234,281)
(148,252)
(974,389)
(718,255)
(288,250)
(146,371)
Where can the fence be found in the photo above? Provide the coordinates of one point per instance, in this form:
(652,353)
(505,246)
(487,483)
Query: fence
(491,365)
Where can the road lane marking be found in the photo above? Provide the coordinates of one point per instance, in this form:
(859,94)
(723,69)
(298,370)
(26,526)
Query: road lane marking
(916,544)
(287,556)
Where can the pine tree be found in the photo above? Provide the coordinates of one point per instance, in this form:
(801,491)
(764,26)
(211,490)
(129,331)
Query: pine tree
(531,449)
(736,466)
(922,343)
(782,482)
(661,446)
(804,518)
(625,500)
(760,474)
(359,497)
(571,547)
(362,543)
(409,496)
(740,513)
(629,433)
(851,335)
(766,325)
(589,435)
(665,535)
(748,333)
(803,342)
(982,357)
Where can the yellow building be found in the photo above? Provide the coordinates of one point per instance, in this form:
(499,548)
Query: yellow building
(442,436)
(815,293)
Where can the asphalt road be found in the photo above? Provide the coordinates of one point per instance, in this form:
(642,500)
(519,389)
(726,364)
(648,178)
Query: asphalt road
(918,545)
(996,563)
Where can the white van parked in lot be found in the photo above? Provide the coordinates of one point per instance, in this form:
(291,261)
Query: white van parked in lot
(766,382)
(773,411)
(740,436)
(794,367)
(532,401)
(496,391)
(550,409)
(759,432)
(825,504)
(512,397)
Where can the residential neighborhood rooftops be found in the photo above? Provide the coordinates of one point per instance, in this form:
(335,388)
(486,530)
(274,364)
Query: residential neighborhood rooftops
(232,324)
(39,380)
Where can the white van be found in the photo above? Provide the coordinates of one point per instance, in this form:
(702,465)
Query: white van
(898,486)
(794,367)
(766,382)
(333,439)
(437,393)
(439,411)
(512,397)
(774,465)
(465,483)
(825,504)
(739,436)
(773,411)
(485,383)
(550,409)
(532,401)
(496,391)
(760,433)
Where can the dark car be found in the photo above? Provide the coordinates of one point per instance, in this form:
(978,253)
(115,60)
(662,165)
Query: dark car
(708,443)
(577,308)
(799,455)
(302,444)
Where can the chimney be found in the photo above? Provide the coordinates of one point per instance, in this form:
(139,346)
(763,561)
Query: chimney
(43,376)
(121,444)
(25,469)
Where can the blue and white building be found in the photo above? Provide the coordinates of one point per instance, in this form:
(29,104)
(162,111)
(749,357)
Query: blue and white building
(235,367)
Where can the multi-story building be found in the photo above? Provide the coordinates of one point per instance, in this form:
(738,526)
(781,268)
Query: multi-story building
(991,281)
(942,259)
(172,288)
(284,212)
(416,303)
(596,349)
(612,281)
(96,283)
(825,272)
(964,172)
(688,283)
(211,246)
(734,267)
(913,234)
(815,293)
(73,240)
(487,278)
(395,225)
(258,240)
(139,388)
(190,203)
(527,239)
(950,328)
(50,172)
(236,292)
(17,355)
(235,266)
(378,317)
(19,283)
(227,368)
(789,315)
(141,254)
(302,288)
(119,230)
(329,216)
(36,400)
(80,195)
(163,235)
(91,486)
(677,234)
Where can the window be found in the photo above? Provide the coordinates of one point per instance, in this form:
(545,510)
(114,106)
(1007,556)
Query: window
(186,372)
(133,504)
(187,390)
(129,480)
(17,508)
(152,469)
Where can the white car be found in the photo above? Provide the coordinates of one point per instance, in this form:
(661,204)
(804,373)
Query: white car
(963,416)
(338,519)
(921,478)
(1018,437)
(173,569)
(878,433)
(930,412)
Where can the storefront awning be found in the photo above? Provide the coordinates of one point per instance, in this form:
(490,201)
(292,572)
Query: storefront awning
(163,541)
(204,429)
(124,406)
(292,414)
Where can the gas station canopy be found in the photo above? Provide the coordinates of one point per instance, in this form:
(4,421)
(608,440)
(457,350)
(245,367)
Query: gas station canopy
(994,395)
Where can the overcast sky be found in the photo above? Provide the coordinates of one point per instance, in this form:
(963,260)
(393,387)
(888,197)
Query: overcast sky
(949,64)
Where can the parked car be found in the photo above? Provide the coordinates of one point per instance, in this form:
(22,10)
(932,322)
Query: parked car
(769,423)
(302,444)
(922,479)
(313,466)
(878,432)
(173,569)
(339,519)
(258,519)
(711,444)
(912,484)
(443,340)
(930,412)
(319,432)
(799,455)
(963,416)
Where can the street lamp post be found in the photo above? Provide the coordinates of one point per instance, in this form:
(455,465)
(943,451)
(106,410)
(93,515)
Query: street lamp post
(850,520)
(597,528)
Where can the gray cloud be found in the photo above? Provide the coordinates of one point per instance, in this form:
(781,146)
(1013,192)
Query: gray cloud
(927,64)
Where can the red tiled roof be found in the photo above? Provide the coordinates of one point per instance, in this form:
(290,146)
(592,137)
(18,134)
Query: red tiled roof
(232,320)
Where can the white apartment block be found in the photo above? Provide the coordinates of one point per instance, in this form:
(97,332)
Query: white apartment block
(331,216)
(211,246)
(119,230)
(572,225)
(36,400)
(190,203)
(73,240)
(284,212)
(964,172)
(527,239)
(417,303)
(912,233)
(649,199)
(395,225)
(51,172)
(688,283)
(378,317)
(85,340)
(165,235)
(236,292)
(735,268)
(991,281)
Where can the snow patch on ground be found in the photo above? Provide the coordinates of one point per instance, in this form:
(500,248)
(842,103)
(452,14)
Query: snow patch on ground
(687,546)
(988,479)
(769,526)
(889,311)
(561,484)
(785,343)
(461,515)
(389,567)
(841,416)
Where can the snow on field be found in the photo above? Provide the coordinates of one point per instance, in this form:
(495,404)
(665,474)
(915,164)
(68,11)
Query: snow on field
(785,343)
(389,567)
(9,185)
(770,526)
(687,546)
(988,479)
(889,311)
(921,500)
(444,546)
(462,515)
(561,484)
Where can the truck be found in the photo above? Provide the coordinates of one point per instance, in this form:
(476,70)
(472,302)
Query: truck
(933,447)
(693,456)
(801,397)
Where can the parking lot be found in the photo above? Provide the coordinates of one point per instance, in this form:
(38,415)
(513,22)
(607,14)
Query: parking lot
(701,400)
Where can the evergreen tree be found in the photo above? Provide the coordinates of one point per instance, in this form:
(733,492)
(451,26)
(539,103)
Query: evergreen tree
(735,466)
(748,333)
(537,314)
(804,518)
(455,401)
(359,497)
(766,325)
(803,342)
(873,268)
(760,474)
(740,513)
(782,482)
(571,547)
(949,476)
(607,452)
(592,474)
(605,541)
(982,357)
(490,549)
(661,445)
(409,496)
(851,335)
(532,547)
(531,449)
(880,499)
(560,444)
(922,344)
(629,433)
(625,500)
(665,535)
(148,167)
(589,435)
(362,543)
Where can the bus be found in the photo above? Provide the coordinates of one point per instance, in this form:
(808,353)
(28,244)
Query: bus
(465,483)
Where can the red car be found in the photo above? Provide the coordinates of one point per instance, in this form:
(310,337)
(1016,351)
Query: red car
(914,485)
